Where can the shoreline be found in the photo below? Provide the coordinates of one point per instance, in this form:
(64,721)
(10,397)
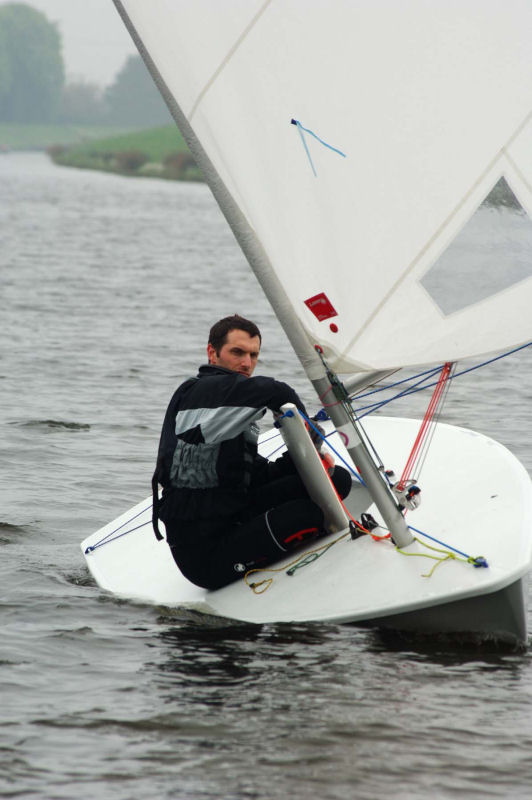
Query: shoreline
(149,153)
(153,153)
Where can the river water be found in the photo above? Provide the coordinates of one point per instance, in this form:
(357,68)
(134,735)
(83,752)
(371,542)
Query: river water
(109,286)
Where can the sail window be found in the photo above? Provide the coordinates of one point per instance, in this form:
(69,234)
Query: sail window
(492,252)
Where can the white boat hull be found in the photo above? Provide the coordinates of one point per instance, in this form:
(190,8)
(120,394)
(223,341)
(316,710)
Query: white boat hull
(477,498)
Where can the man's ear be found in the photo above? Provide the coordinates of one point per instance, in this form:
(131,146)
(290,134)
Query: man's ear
(211,354)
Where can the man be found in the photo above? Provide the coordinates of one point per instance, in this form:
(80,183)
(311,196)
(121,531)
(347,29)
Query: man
(225,508)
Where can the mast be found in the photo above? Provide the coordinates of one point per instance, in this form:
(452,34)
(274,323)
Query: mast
(360,455)
(274,291)
(363,460)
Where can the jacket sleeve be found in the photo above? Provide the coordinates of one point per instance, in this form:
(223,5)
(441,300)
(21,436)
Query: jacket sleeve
(260,391)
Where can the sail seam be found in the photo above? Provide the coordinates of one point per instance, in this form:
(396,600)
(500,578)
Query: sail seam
(500,153)
(228,57)
(519,172)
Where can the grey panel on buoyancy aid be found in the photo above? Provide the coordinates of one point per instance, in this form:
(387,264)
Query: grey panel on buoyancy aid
(191,443)
(194,465)
(218,424)
(166,448)
(200,432)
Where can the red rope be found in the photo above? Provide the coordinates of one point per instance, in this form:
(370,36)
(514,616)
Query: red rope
(425,425)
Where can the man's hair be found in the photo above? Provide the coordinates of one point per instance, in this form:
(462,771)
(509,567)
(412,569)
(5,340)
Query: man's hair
(218,332)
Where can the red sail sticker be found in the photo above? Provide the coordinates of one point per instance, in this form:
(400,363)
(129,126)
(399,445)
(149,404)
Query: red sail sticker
(321,307)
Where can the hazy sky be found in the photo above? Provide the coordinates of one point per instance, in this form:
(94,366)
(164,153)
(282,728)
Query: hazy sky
(95,41)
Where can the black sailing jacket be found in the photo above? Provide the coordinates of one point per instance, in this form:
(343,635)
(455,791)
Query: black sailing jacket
(208,448)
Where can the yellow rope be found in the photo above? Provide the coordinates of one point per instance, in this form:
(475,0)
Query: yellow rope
(255,587)
(447,556)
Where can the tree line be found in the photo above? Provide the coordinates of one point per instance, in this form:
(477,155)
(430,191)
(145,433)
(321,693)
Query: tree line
(33,88)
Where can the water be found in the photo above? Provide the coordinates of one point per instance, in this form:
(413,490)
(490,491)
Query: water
(108,288)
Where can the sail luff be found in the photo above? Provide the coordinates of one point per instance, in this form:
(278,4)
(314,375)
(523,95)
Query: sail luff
(245,236)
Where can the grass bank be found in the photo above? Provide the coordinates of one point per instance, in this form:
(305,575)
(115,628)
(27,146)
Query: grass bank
(40,137)
(155,153)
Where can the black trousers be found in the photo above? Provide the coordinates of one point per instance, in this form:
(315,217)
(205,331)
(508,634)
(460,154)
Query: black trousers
(280,518)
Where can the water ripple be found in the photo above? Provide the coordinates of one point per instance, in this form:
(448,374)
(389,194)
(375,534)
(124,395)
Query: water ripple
(109,286)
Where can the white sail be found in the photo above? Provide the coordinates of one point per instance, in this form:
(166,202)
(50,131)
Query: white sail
(431,103)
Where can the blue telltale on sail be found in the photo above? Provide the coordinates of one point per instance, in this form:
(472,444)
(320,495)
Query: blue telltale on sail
(302,130)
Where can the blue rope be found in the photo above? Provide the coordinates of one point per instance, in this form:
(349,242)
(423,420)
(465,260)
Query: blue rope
(426,376)
(300,129)
(106,539)
(492,360)
(329,445)
(389,386)
(275,435)
(409,390)
(281,446)
(479,561)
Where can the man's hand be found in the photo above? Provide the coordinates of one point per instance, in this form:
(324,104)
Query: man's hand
(317,435)
(328,462)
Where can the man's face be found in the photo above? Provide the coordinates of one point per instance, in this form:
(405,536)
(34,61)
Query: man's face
(239,353)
